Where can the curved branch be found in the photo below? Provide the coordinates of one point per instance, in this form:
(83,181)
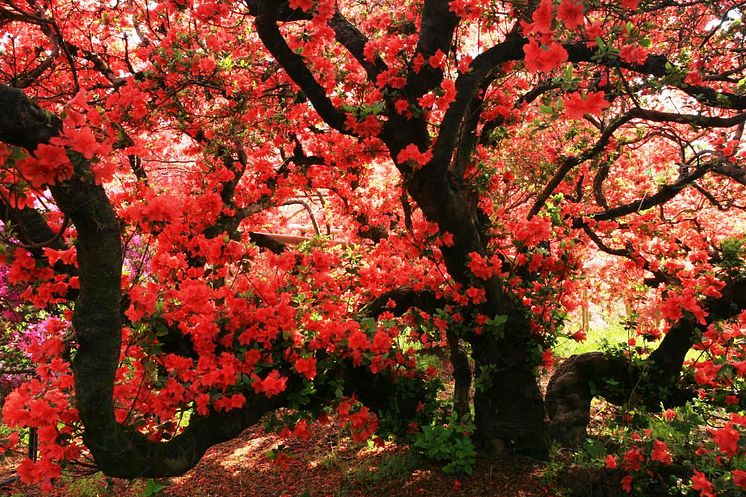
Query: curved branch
(732,171)
(570,162)
(350,37)
(691,119)
(118,450)
(31,229)
(466,89)
(656,382)
(664,194)
(436,33)
(307,207)
(266,27)
(403,299)
(657,65)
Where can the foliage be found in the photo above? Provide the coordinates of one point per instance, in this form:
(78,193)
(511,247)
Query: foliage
(220,212)
(668,453)
(448,442)
(392,468)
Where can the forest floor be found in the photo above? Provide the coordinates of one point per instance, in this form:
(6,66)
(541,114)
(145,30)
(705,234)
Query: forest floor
(326,464)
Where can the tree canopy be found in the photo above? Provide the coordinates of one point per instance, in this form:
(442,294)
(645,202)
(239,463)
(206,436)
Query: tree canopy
(216,209)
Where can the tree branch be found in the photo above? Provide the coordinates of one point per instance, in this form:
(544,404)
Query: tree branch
(266,27)
(354,41)
(664,194)
(436,33)
(570,162)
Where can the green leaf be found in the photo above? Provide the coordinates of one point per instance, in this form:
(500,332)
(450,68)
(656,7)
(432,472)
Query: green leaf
(152,487)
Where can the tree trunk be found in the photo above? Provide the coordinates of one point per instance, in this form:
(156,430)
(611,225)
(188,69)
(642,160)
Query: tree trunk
(461,376)
(508,406)
(654,384)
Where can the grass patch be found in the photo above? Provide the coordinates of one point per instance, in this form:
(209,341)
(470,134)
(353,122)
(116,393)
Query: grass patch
(371,473)
(612,334)
(95,485)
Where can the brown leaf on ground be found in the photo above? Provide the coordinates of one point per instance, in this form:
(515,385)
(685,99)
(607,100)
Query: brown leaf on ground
(324,465)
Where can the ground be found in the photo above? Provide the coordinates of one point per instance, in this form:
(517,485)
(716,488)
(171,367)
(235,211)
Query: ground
(326,464)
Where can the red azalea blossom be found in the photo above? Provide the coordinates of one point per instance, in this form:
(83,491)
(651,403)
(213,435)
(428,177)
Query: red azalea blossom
(726,439)
(571,13)
(632,459)
(577,105)
(534,231)
(306,367)
(634,54)
(412,153)
(739,478)
(660,452)
(542,18)
(304,5)
(627,483)
(701,483)
(544,58)
(273,384)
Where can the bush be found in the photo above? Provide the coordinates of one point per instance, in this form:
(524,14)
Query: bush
(693,450)
(449,443)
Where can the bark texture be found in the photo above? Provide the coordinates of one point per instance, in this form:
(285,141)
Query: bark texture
(653,383)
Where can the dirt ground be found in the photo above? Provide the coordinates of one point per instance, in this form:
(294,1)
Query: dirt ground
(326,464)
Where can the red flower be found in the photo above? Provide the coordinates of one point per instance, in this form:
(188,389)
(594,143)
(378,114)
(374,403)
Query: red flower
(534,230)
(701,483)
(545,57)
(577,105)
(739,478)
(83,141)
(632,459)
(476,295)
(547,358)
(49,164)
(706,372)
(272,385)
(369,126)
(634,54)
(480,267)
(727,439)
(627,483)
(69,256)
(542,18)
(412,153)
(437,60)
(571,13)
(401,106)
(660,452)
(304,5)
(306,367)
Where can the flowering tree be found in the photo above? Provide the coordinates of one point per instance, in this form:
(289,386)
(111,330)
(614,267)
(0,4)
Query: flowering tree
(469,160)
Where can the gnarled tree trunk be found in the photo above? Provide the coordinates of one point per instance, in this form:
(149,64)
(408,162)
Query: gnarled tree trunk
(653,384)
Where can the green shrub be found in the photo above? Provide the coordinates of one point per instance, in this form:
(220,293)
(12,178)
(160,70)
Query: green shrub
(449,443)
